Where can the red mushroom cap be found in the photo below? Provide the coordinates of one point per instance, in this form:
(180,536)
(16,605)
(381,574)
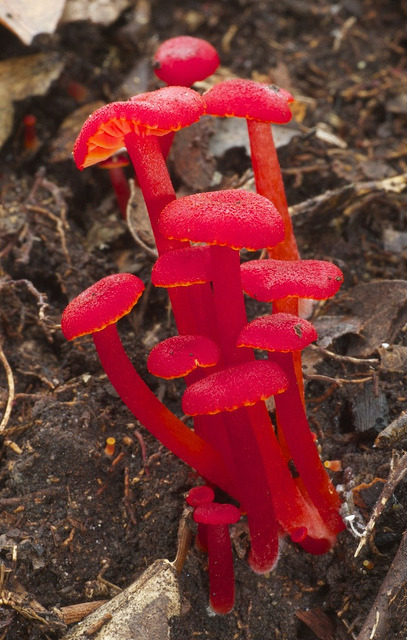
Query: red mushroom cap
(268,280)
(184,60)
(281,332)
(249,99)
(182,267)
(179,355)
(238,386)
(157,113)
(117,161)
(102,304)
(198,496)
(235,218)
(214,513)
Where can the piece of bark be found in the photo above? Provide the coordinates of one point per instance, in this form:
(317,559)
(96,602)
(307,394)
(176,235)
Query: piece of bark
(394,587)
(140,612)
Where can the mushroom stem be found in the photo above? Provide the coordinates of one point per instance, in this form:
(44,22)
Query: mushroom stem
(158,191)
(220,567)
(294,425)
(121,188)
(255,492)
(292,509)
(155,416)
(228,300)
(269,183)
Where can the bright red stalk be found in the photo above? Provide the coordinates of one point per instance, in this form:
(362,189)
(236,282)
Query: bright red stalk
(161,422)
(269,183)
(293,422)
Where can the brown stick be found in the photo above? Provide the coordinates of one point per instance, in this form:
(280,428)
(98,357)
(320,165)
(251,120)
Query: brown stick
(376,623)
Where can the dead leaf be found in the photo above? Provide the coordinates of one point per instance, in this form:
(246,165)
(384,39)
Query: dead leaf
(381,306)
(27,18)
(98,11)
(62,145)
(393,358)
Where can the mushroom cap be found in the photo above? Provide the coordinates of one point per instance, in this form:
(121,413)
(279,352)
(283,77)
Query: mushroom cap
(217,514)
(156,112)
(234,217)
(177,356)
(182,267)
(249,99)
(281,332)
(200,495)
(102,304)
(268,280)
(241,385)
(184,60)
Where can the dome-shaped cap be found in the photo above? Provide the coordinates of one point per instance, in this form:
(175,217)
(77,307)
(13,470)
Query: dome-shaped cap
(156,112)
(217,514)
(268,280)
(200,495)
(233,217)
(238,386)
(281,332)
(177,356)
(184,60)
(102,304)
(182,267)
(249,99)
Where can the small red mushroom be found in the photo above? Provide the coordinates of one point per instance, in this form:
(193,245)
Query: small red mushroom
(284,334)
(260,104)
(196,497)
(30,137)
(217,518)
(177,356)
(96,311)
(120,184)
(230,390)
(184,60)
(228,221)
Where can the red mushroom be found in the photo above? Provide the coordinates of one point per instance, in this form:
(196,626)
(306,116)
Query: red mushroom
(284,334)
(177,356)
(182,61)
(261,104)
(136,125)
(96,311)
(197,497)
(233,389)
(217,518)
(227,221)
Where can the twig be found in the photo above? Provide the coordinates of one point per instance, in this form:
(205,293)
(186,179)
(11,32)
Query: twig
(11,389)
(59,225)
(338,381)
(184,540)
(396,475)
(375,626)
(394,432)
(336,356)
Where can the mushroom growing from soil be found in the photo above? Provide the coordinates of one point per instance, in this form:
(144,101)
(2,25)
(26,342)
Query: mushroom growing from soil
(197,497)
(261,104)
(231,390)
(227,221)
(96,311)
(217,518)
(182,61)
(283,334)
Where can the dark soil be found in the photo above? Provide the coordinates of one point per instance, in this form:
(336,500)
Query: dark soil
(74,522)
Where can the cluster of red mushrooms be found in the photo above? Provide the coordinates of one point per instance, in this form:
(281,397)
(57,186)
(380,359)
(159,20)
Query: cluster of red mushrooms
(230,367)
